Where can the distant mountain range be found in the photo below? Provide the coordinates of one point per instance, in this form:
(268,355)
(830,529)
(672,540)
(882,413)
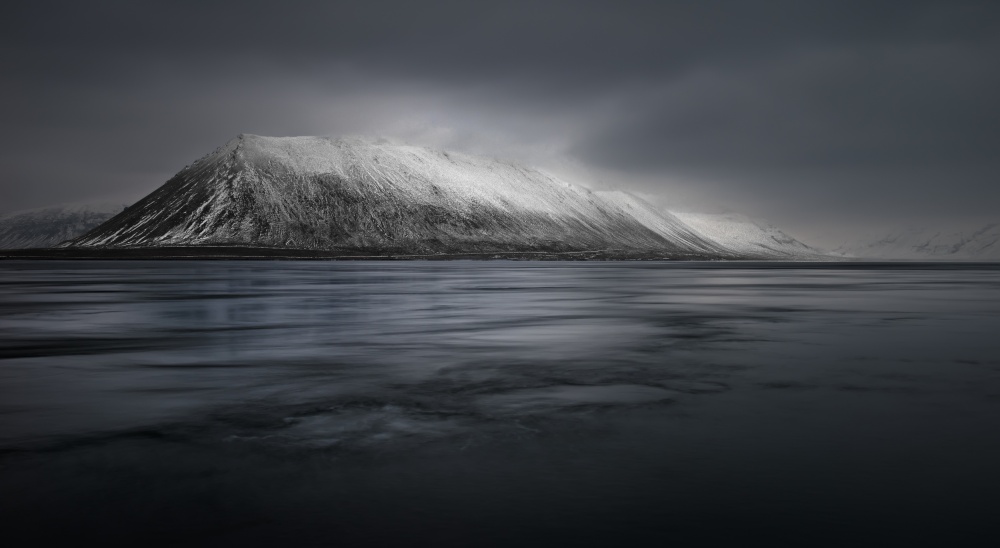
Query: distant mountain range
(50,226)
(974,243)
(323,197)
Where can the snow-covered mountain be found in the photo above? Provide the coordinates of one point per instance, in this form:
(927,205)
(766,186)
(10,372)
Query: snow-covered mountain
(363,196)
(973,243)
(49,226)
(746,236)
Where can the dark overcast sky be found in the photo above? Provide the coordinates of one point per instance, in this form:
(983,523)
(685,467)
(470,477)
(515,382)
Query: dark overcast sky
(818,115)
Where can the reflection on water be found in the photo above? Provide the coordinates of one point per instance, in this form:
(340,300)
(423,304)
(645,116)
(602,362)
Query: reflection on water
(574,402)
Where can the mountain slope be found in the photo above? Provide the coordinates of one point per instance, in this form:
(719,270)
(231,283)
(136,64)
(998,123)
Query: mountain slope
(745,236)
(973,243)
(361,196)
(48,226)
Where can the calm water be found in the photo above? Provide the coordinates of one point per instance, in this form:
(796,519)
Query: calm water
(499,403)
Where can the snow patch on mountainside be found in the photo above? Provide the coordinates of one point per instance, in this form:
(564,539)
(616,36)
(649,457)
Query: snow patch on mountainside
(663,223)
(743,235)
(51,225)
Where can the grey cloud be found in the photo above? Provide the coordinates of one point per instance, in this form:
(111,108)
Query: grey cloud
(888,106)
(779,106)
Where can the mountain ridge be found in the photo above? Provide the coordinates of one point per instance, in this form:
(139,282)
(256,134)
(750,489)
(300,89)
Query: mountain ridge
(973,242)
(48,226)
(348,193)
(741,234)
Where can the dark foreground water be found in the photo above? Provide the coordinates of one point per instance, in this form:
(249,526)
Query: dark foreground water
(499,403)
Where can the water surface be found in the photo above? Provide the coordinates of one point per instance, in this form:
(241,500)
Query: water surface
(499,403)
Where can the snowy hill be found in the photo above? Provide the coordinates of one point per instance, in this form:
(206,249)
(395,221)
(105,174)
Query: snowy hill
(375,197)
(49,226)
(973,243)
(745,236)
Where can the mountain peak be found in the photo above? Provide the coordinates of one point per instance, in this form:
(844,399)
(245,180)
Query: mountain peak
(375,197)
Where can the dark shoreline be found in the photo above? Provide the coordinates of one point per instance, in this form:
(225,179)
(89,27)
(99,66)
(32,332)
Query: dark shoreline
(276,254)
(265,253)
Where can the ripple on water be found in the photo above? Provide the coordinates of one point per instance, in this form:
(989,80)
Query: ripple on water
(536,400)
